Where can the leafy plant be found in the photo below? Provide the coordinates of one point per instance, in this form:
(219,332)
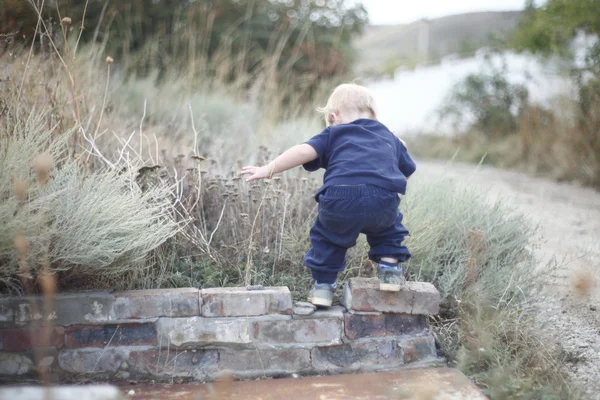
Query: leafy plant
(488,99)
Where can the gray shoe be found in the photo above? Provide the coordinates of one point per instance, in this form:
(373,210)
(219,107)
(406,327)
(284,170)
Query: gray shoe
(391,279)
(321,294)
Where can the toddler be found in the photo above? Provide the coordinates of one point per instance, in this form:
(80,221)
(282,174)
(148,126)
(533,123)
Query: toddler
(366,167)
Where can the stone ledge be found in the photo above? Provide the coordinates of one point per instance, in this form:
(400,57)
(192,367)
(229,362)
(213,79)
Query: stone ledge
(265,362)
(363,295)
(67,309)
(200,332)
(143,362)
(15,364)
(197,365)
(239,302)
(196,334)
(102,307)
(418,349)
(93,361)
(352,357)
(113,335)
(173,303)
(359,326)
(19,340)
(323,330)
(99,307)
(374,354)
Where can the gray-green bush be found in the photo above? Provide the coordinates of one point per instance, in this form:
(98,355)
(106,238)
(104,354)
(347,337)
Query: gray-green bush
(90,226)
(458,239)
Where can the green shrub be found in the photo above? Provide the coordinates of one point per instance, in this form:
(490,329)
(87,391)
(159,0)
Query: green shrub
(489,100)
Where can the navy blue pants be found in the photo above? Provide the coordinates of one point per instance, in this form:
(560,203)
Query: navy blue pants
(344,213)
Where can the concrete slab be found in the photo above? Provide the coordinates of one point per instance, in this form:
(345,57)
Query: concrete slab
(91,392)
(409,384)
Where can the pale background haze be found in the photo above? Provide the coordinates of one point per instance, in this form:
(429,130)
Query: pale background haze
(405,11)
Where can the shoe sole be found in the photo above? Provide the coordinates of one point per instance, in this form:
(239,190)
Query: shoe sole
(321,302)
(389,287)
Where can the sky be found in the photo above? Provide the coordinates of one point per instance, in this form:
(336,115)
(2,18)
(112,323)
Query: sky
(404,11)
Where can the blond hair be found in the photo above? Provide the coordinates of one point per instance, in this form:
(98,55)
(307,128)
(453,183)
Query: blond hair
(349,97)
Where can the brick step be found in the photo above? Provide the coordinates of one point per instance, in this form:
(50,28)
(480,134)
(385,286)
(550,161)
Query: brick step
(363,294)
(202,334)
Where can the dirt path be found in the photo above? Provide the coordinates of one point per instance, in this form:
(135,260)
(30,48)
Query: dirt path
(568,218)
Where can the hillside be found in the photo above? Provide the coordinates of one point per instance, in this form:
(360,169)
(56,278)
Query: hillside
(401,44)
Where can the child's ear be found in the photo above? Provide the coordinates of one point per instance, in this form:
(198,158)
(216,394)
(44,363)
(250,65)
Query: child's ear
(331,118)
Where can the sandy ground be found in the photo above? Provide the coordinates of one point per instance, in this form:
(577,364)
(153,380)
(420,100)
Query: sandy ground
(568,221)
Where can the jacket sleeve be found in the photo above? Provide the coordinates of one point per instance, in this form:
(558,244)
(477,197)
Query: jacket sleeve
(320,143)
(405,162)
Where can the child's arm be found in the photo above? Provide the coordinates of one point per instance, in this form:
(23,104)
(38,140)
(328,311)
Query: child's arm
(294,157)
(404,144)
(405,163)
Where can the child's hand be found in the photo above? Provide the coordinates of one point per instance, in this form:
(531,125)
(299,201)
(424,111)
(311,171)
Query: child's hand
(256,172)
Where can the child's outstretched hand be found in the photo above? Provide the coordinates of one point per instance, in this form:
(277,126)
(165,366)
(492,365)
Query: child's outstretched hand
(256,172)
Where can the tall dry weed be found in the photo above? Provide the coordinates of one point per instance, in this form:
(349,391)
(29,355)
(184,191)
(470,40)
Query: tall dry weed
(585,282)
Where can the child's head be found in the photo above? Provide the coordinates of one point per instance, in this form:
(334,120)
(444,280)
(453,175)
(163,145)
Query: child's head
(347,103)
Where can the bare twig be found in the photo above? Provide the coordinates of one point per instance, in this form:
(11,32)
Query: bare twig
(142,130)
(218,223)
(82,26)
(105,347)
(35,33)
(97,30)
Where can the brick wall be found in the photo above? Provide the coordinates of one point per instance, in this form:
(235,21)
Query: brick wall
(191,334)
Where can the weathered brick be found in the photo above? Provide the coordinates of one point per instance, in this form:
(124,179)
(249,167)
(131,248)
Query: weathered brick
(134,334)
(405,324)
(265,362)
(363,294)
(20,340)
(364,326)
(90,361)
(67,309)
(15,364)
(367,355)
(200,365)
(426,300)
(359,326)
(6,312)
(137,304)
(239,302)
(48,357)
(198,331)
(418,349)
(331,312)
(321,330)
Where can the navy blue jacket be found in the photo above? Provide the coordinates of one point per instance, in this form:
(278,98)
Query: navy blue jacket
(362,152)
